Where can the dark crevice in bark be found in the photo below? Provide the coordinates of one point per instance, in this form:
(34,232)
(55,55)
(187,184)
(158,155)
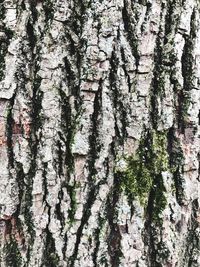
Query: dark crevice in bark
(25,181)
(65,157)
(149,231)
(97,233)
(92,156)
(73,69)
(34,13)
(148,10)
(20,7)
(188,75)
(106,168)
(193,239)
(156,200)
(72,194)
(31,35)
(33,142)
(13,245)
(4,40)
(61,156)
(86,214)
(164,60)
(94,143)
(50,257)
(157,82)
(129,25)
(79,16)
(125,69)
(199,117)
(71,77)
(174,149)
(20,177)
(171,20)
(198,178)
(114,238)
(71,212)
(12,253)
(64,248)
(48,10)
(58,212)
(2,10)
(179,185)
(68,125)
(117,100)
(9,132)
(72,47)
(114,62)
(153,224)
(45,186)
(176,161)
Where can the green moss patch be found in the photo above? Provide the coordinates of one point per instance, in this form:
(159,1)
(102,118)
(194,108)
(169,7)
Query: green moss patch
(136,179)
(143,171)
(12,254)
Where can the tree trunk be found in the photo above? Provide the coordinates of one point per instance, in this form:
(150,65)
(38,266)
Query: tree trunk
(99,133)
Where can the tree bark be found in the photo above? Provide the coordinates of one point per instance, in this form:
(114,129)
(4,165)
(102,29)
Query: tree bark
(99,133)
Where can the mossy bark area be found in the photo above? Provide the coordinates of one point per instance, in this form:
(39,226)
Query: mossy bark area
(99,133)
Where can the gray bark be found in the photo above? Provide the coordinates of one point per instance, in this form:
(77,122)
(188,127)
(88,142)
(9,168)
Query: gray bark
(99,133)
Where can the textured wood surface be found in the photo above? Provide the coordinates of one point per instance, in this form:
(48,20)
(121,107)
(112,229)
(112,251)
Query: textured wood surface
(99,133)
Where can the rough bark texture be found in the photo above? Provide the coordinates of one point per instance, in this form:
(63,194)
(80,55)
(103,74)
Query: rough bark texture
(99,133)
